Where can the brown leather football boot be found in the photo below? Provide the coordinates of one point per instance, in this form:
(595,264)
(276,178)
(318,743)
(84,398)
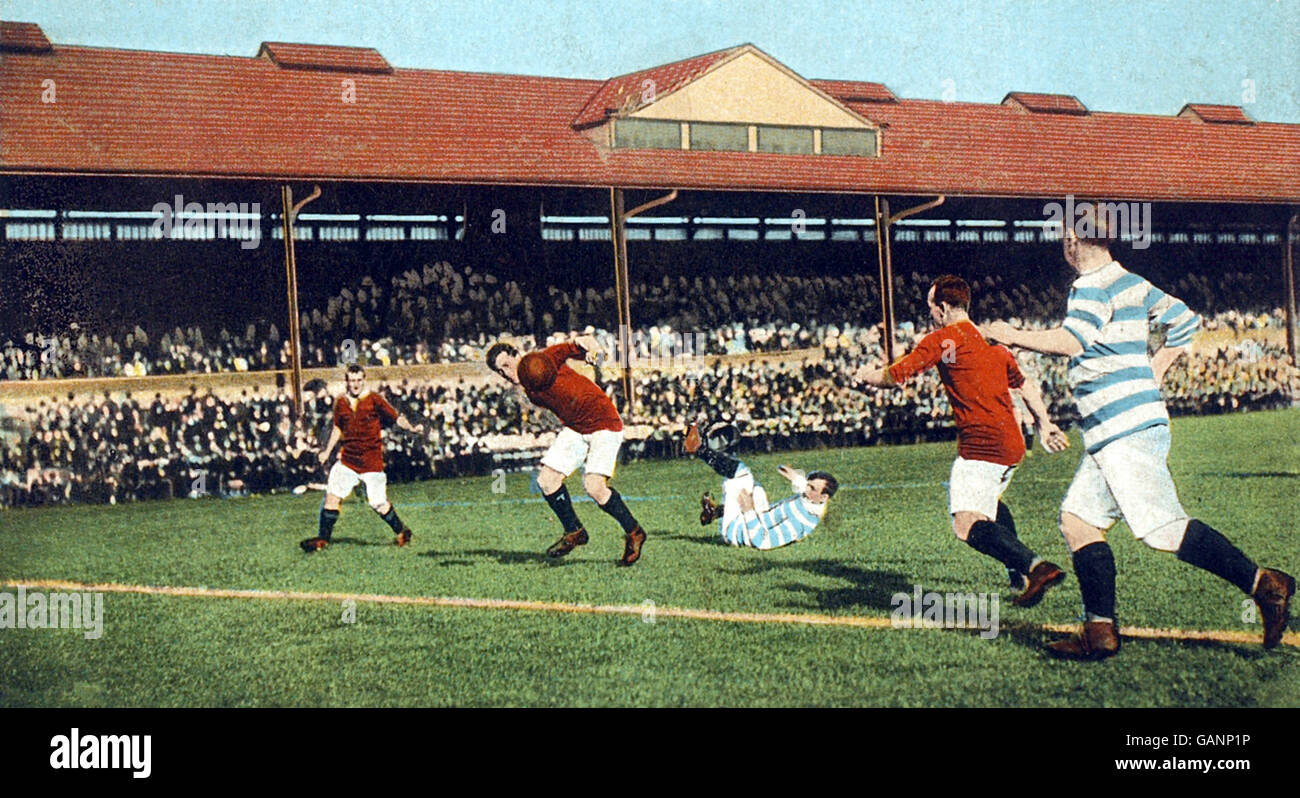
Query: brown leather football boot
(709,510)
(567,543)
(632,546)
(1041,577)
(1098,640)
(1273,595)
(311,545)
(692,443)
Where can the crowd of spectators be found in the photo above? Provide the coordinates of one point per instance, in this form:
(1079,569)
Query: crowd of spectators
(93,448)
(441,314)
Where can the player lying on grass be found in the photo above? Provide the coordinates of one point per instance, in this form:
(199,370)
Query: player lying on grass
(591,437)
(979,379)
(746,516)
(359,415)
(1124,472)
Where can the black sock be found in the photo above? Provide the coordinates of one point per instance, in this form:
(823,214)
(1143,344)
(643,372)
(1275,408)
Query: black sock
(619,512)
(327,519)
(1205,548)
(563,509)
(989,538)
(1094,566)
(391,518)
(723,463)
(1006,521)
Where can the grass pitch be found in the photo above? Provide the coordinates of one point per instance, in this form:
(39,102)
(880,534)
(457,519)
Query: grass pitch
(885,532)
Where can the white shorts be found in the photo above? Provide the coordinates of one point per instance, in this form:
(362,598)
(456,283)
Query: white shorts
(975,486)
(731,490)
(1129,478)
(343,479)
(596,452)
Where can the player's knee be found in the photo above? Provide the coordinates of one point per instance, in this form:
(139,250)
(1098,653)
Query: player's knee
(332,502)
(1167,537)
(549,480)
(1078,533)
(961,524)
(597,487)
(381,508)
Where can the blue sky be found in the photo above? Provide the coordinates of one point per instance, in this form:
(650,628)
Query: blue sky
(1142,56)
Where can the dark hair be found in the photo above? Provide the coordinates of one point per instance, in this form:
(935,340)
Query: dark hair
(952,289)
(832,484)
(495,351)
(354,368)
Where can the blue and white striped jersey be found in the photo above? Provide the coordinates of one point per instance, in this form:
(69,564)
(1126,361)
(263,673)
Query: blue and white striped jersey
(788,520)
(1109,311)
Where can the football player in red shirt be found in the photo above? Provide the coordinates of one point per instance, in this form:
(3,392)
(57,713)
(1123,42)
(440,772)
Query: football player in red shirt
(591,437)
(359,415)
(979,378)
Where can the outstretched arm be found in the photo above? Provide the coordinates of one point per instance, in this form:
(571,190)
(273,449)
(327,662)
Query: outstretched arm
(408,426)
(1054,440)
(877,378)
(1057,341)
(335,435)
(1163,359)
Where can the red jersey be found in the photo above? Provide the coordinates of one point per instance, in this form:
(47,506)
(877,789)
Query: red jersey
(978,377)
(578,401)
(361,421)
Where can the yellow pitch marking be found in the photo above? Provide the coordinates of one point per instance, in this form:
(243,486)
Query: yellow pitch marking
(810,619)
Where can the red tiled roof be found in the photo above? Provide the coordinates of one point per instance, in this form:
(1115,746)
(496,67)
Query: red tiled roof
(1229,114)
(1045,103)
(856,91)
(314,56)
(149,113)
(23,37)
(627,93)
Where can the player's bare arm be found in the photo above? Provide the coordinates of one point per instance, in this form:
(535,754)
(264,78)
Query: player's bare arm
(1054,440)
(875,377)
(1056,341)
(335,435)
(403,423)
(589,345)
(1163,359)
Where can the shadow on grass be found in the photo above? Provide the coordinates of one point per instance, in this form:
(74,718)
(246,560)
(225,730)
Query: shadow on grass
(335,541)
(477,556)
(868,588)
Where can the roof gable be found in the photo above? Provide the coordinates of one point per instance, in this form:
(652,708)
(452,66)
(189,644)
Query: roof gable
(628,93)
(1045,103)
(749,86)
(326,58)
(1216,114)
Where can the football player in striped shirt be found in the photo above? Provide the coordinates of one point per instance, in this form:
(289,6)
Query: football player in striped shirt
(979,380)
(359,416)
(746,517)
(1125,472)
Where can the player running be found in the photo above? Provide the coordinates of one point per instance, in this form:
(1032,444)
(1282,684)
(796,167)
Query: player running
(747,518)
(591,437)
(359,415)
(1125,470)
(979,379)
